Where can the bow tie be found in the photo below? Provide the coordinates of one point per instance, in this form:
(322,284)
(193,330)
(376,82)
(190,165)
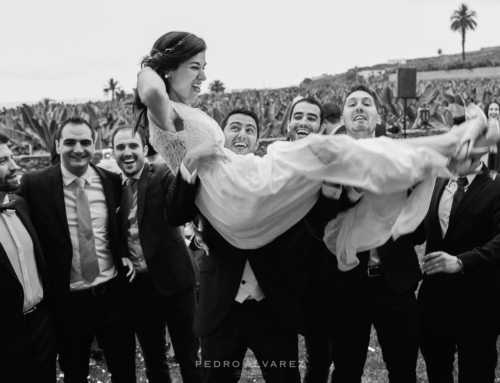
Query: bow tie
(8,206)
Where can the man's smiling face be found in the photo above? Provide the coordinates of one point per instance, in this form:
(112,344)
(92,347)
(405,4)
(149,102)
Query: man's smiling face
(240,134)
(305,119)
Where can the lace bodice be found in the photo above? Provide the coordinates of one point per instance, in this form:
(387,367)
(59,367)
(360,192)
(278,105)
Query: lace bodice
(198,128)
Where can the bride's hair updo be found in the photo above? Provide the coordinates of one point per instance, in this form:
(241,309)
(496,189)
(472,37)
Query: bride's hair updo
(168,52)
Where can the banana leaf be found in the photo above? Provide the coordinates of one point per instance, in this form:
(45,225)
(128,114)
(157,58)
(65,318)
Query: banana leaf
(387,99)
(93,118)
(217,115)
(448,116)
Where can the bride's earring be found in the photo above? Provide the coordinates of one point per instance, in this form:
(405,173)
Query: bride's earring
(167,75)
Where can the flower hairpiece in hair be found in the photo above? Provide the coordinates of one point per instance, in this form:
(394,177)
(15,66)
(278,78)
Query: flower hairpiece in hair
(178,44)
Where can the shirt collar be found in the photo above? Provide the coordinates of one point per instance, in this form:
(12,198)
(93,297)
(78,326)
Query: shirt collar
(69,177)
(5,200)
(136,176)
(471,176)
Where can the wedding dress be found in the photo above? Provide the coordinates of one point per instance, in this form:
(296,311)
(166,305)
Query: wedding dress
(251,200)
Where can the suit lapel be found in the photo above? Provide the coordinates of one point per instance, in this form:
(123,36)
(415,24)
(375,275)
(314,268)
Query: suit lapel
(142,189)
(56,185)
(4,259)
(476,186)
(107,188)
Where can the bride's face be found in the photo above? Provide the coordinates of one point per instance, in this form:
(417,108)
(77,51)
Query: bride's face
(185,81)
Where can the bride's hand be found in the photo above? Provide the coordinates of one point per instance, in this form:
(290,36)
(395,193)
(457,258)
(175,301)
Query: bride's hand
(203,155)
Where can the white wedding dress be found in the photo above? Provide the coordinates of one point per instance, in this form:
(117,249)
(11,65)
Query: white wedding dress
(252,200)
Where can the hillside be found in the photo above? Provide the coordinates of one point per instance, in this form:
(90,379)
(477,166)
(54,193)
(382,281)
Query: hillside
(485,57)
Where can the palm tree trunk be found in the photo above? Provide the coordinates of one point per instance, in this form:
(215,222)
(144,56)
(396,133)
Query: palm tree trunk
(463,44)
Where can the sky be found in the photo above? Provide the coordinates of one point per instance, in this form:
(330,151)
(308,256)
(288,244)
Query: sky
(68,50)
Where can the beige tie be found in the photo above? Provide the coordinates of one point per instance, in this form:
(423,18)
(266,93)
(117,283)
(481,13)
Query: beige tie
(88,254)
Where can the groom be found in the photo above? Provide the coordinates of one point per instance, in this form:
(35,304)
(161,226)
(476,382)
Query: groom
(248,298)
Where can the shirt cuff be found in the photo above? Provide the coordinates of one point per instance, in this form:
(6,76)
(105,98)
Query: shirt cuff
(186,176)
(353,194)
(331,190)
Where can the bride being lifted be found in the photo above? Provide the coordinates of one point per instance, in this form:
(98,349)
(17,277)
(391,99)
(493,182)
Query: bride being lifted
(251,200)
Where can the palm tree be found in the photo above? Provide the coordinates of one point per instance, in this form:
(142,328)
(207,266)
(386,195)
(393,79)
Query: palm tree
(111,87)
(462,20)
(217,86)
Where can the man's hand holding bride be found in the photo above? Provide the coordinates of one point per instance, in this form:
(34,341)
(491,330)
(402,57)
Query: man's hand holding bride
(203,155)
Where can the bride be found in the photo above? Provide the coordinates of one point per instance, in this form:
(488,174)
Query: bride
(251,200)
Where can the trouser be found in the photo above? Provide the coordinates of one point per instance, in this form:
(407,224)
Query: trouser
(394,316)
(477,354)
(153,313)
(317,339)
(102,312)
(253,325)
(30,355)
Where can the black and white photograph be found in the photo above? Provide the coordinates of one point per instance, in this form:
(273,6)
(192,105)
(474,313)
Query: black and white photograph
(250,191)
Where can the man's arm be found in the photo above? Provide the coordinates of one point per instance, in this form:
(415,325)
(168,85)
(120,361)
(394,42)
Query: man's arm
(479,258)
(487,256)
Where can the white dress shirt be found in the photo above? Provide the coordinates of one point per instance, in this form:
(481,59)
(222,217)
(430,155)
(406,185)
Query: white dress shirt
(133,240)
(249,286)
(99,213)
(446,201)
(19,249)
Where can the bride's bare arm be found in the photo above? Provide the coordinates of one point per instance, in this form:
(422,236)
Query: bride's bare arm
(152,92)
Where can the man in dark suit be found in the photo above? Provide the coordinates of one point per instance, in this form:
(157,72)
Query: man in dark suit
(379,291)
(459,299)
(163,292)
(74,208)
(248,298)
(27,343)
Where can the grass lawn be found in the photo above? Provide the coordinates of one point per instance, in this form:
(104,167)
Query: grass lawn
(374,369)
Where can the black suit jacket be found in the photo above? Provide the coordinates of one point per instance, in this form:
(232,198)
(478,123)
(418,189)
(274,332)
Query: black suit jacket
(278,266)
(11,290)
(469,301)
(43,189)
(170,265)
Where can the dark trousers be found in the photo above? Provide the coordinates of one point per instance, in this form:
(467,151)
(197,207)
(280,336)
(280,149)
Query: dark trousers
(253,325)
(153,312)
(107,317)
(394,316)
(317,339)
(30,356)
(477,354)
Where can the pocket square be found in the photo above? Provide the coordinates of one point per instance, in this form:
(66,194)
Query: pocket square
(118,209)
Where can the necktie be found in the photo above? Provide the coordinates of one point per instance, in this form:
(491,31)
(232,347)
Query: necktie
(88,254)
(462,182)
(127,199)
(8,206)
(22,260)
